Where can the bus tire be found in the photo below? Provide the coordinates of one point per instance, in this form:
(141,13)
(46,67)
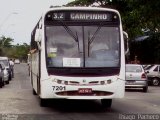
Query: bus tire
(43,102)
(7,82)
(34,92)
(106,103)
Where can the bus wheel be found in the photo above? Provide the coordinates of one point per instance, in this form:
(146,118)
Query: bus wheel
(7,82)
(106,103)
(34,92)
(43,102)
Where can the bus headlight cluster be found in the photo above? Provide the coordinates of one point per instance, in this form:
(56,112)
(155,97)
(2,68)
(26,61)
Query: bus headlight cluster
(60,81)
(106,82)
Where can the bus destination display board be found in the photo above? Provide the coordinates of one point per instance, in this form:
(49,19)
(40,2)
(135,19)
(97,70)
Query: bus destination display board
(81,16)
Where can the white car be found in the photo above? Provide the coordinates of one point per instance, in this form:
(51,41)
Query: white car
(17,61)
(5,60)
(136,77)
(153,74)
(6,74)
(1,76)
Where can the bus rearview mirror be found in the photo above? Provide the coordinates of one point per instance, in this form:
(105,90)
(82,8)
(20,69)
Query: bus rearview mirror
(38,35)
(125,36)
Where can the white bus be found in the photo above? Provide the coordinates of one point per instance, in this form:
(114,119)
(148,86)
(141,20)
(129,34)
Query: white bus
(78,53)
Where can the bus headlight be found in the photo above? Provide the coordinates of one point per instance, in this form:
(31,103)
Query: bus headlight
(57,81)
(60,81)
(66,82)
(102,82)
(106,82)
(109,81)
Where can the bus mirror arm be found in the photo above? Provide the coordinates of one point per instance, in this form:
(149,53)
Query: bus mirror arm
(127,51)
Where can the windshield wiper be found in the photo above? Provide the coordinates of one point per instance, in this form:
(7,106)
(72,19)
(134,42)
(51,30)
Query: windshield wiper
(90,40)
(70,32)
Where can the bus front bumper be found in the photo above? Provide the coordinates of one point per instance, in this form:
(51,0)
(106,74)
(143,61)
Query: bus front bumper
(57,91)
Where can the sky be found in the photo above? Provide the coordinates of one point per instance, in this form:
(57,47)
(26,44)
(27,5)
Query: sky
(18,17)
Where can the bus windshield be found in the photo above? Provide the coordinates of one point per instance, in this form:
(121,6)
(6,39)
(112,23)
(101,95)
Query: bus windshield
(82,46)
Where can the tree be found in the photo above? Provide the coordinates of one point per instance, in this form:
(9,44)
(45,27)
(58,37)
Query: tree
(136,14)
(13,51)
(5,43)
(21,51)
(102,3)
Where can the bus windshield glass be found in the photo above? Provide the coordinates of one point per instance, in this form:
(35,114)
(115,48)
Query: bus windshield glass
(82,46)
(80,41)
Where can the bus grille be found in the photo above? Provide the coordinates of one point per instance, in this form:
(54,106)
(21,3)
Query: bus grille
(75,93)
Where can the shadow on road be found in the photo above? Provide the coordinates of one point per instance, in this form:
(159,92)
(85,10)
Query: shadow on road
(133,90)
(82,106)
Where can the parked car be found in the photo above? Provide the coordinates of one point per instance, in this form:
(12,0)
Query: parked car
(17,61)
(147,67)
(6,74)
(153,74)
(5,60)
(136,77)
(1,76)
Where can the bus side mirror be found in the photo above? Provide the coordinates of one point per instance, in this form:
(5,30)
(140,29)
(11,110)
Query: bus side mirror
(38,35)
(125,36)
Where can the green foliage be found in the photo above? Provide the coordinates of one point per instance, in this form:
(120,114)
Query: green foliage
(136,14)
(5,43)
(13,51)
(148,51)
(21,51)
(89,2)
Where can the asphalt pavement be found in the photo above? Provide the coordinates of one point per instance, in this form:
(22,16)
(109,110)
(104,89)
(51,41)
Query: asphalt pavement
(17,102)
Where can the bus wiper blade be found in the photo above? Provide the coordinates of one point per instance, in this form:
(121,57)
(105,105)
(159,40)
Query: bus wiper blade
(70,32)
(94,35)
(90,40)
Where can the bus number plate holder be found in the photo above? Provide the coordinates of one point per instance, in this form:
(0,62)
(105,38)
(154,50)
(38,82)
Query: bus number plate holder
(85,90)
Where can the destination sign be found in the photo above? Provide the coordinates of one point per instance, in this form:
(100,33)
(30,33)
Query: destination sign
(88,16)
(81,16)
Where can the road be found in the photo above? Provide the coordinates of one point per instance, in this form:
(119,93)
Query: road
(17,100)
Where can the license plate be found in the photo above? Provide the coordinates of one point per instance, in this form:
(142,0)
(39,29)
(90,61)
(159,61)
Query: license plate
(85,90)
(130,82)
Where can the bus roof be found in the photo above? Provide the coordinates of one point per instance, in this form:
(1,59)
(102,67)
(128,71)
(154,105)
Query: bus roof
(81,8)
(44,13)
